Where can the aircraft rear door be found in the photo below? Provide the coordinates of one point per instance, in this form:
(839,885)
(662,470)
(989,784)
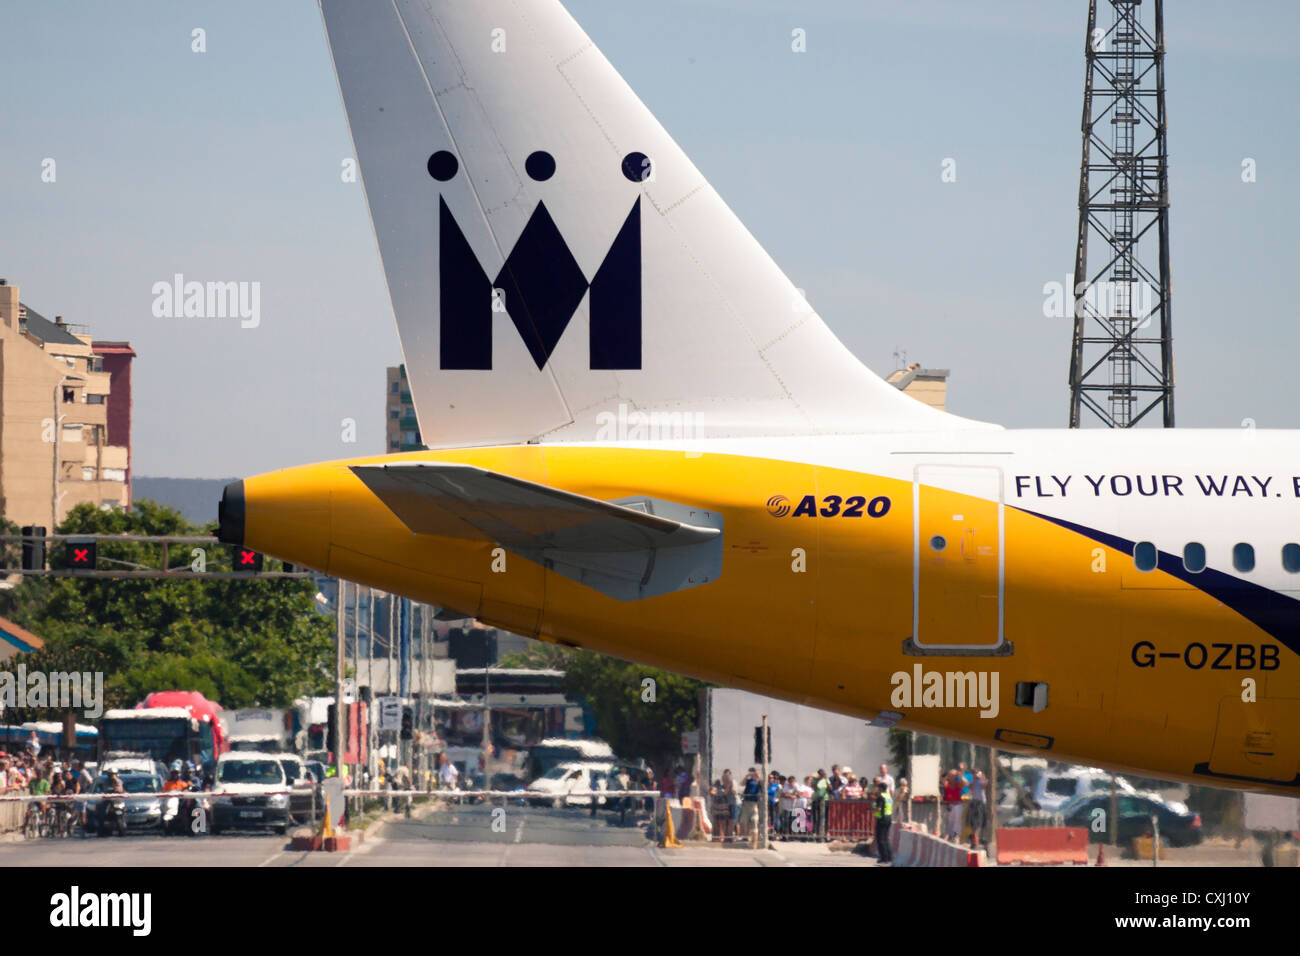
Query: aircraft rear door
(958,561)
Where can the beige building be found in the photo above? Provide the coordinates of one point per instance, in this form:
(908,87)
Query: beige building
(402,432)
(54,397)
(927,385)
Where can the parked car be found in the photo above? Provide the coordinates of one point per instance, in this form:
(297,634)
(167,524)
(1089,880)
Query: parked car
(571,784)
(141,810)
(1055,788)
(251,790)
(1179,826)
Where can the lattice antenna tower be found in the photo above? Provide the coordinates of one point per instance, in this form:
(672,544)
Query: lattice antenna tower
(1122,362)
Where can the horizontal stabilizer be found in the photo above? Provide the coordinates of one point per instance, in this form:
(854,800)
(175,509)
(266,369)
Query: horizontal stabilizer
(462,501)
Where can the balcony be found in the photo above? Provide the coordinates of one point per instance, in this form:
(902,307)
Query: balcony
(73,452)
(113,456)
(91,415)
(97,382)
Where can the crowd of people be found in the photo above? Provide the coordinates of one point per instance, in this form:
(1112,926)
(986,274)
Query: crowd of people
(961,789)
(798,808)
(27,772)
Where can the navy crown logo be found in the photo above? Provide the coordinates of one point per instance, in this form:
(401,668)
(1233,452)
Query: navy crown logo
(541,282)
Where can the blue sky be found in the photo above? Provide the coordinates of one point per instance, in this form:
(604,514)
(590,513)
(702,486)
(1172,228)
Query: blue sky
(225,165)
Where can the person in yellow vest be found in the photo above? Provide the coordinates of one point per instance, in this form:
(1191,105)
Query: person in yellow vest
(884,817)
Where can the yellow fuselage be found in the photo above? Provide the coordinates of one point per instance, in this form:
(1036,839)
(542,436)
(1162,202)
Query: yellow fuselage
(818,608)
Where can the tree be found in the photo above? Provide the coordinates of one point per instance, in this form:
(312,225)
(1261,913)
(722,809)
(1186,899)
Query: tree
(244,643)
(641,711)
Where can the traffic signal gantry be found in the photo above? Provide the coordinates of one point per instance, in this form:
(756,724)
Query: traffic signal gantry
(84,557)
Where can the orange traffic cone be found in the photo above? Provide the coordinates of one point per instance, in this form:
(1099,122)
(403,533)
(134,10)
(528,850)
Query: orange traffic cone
(327,827)
(670,834)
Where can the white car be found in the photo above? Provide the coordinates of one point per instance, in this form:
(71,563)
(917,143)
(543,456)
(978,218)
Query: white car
(120,762)
(572,783)
(1055,788)
(251,790)
(303,797)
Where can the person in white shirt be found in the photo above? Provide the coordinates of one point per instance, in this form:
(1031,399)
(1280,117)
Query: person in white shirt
(789,793)
(447,774)
(887,778)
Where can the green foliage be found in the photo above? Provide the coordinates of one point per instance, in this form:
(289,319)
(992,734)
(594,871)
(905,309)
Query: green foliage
(242,643)
(638,720)
(900,752)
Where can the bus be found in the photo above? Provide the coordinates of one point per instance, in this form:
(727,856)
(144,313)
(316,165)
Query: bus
(167,726)
(50,734)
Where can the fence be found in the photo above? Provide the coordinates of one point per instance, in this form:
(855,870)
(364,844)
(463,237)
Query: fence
(851,820)
(844,820)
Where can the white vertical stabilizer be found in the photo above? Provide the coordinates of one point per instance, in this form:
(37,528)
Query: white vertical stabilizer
(554,259)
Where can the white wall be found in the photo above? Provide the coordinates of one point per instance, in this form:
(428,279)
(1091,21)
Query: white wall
(804,739)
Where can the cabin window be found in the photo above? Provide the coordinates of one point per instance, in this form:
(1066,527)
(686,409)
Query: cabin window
(1243,557)
(938,543)
(1194,557)
(1144,556)
(1291,558)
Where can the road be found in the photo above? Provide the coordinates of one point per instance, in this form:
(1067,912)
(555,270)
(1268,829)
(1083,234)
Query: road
(466,835)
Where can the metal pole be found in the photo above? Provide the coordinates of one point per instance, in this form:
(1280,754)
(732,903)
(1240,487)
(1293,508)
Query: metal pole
(404,670)
(991,795)
(389,683)
(370,677)
(340,721)
(404,647)
(487,719)
(356,650)
(1113,824)
(762,793)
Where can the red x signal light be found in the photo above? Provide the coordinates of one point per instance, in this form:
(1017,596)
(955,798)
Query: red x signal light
(246,559)
(80,554)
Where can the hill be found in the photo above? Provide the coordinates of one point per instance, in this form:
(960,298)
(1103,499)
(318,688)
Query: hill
(195,498)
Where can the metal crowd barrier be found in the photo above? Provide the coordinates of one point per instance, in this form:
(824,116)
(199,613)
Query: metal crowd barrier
(852,820)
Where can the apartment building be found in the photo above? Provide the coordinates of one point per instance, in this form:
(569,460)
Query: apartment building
(927,385)
(57,447)
(401,432)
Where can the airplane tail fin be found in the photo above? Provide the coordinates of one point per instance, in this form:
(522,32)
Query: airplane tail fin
(557,266)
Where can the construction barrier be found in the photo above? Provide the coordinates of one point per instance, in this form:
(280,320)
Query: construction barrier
(685,819)
(851,820)
(905,852)
(703,824)
(1042,845)
(916,847)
